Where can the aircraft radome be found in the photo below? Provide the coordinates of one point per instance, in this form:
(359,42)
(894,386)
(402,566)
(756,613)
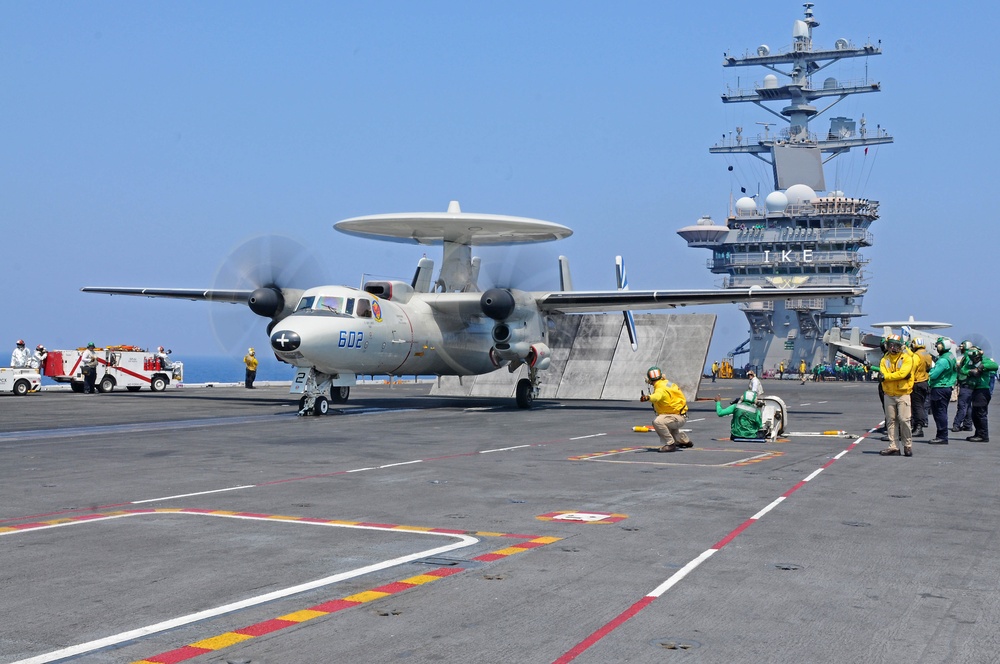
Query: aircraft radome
(438,327)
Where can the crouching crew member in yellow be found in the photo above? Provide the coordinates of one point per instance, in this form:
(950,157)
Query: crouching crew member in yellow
(671,411)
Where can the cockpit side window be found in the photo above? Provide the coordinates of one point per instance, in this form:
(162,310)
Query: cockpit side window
(306,303)
(349,310)
(364,308)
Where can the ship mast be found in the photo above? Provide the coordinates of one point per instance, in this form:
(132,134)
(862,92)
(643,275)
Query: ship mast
(795,153)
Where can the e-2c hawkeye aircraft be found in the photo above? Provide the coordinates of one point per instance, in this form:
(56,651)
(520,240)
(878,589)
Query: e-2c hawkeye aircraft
(444,327)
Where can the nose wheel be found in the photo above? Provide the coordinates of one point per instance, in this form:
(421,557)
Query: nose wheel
(318,392)
(527,389)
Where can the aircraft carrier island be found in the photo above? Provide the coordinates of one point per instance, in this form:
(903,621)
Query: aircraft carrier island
(793,236)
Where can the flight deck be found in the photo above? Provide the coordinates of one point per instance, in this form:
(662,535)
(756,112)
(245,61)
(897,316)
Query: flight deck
(214,525)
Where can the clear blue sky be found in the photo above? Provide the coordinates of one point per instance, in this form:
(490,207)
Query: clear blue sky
(143,141)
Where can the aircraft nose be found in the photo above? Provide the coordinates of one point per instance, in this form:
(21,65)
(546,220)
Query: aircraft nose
(284,341)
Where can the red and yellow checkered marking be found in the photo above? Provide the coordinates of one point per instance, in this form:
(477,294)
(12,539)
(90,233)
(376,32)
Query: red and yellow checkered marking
(228,639)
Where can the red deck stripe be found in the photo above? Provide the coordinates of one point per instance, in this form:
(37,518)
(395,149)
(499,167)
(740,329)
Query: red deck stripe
(604,631)
(265,627)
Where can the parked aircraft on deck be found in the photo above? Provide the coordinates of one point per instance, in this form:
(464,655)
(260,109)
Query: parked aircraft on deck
(445,326)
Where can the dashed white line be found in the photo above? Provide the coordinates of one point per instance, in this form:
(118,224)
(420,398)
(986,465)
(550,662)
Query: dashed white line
(188,495)
(504,449)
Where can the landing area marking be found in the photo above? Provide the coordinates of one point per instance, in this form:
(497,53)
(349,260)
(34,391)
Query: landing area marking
(583,517)
(694,456)
(464,539)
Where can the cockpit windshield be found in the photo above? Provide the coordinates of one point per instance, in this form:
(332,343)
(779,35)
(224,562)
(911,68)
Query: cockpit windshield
(327,303)
(330,303)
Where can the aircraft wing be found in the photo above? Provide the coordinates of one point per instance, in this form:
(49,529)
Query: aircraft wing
(597,301)
(210,295)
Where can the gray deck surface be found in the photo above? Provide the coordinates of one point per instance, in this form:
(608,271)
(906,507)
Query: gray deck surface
(874,559)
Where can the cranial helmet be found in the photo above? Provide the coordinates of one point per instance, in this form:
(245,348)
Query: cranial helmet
(916,342)
(654,374)
(975,354)
(160,349)
(943,345)
(91,345)
(39,347)
(20,342)
(894,340)
(749,396)
(964,346)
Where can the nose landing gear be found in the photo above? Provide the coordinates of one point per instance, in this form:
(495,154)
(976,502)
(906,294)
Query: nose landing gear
(315,388)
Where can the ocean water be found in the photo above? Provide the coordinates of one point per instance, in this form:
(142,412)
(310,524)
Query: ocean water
(214,369)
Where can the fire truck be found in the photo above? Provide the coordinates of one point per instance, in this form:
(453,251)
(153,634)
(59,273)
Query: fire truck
(19,381)
(130,367)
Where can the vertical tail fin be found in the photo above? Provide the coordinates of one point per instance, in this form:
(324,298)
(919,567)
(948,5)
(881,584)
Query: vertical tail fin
(422,277)
(622,280)
(565,281)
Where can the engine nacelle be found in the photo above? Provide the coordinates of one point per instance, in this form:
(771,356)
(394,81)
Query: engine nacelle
(512,341)
(266,302)
(539,357)
(505,304)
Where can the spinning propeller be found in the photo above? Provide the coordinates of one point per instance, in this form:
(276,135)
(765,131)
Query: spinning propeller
(276,269)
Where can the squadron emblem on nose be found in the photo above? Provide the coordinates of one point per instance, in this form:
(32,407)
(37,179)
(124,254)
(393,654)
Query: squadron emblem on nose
(283,340)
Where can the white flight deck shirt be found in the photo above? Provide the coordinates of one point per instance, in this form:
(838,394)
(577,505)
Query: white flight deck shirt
(20,358)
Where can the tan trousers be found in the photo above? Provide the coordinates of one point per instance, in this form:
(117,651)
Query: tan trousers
(897,421)
(668,428)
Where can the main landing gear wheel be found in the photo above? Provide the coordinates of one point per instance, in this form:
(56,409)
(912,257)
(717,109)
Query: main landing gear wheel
(321,407)
(339,394)
(524,394)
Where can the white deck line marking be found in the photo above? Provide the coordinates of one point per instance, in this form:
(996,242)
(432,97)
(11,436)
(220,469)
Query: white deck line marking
(842,453)
(806,404)
(822,402)
(359,470)
(188,495)
(401,463)
(697,420)
(504,449)
(679,574)
(593,435)
(813,474)
(767,509)
(90,646)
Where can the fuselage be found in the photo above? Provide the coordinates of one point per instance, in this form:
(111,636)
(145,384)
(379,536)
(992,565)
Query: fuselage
(338,329)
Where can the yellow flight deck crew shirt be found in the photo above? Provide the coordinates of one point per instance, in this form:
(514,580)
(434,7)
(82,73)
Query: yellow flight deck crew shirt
(922,363)
(897,374)
(251,362)
(667,398)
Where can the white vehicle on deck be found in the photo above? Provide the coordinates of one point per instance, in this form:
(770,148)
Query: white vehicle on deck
(117,366)
(19,381)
